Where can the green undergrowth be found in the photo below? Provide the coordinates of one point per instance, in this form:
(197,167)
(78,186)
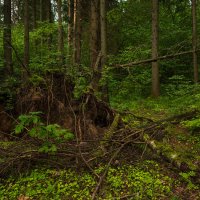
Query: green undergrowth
(176,102)
(144,181)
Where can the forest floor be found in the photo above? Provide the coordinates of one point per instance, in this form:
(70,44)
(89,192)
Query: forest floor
(168,170)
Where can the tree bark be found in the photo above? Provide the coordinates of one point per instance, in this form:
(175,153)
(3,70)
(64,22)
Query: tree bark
(103,32)
(1,14)
(77,33)
(94,29)
(155,65)
(194,41)
(7,38)
(60,33)
(26,33)
(70,28)
(48,11)
(105,95)
(34,7)
(45,10)
(95,44)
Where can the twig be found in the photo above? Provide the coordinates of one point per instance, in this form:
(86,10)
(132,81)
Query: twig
(106,170)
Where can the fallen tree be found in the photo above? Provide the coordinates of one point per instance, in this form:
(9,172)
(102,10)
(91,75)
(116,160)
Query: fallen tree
(155,59)
(100,133)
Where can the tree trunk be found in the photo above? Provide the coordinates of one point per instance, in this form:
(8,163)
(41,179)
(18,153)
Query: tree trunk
(194,41)
(103,32)
(95,44)
(77,33)
(34,7)
(45,10)
(1,13)
(94,29)
(70,28)
(26,33)
(60,32)
(103,47)
(41,10)
(7,38)
(49,12)
(155,65)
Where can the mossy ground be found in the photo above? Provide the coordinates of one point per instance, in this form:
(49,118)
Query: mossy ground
(144,179)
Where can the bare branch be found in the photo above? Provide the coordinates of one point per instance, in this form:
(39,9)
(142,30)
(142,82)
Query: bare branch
(155,59)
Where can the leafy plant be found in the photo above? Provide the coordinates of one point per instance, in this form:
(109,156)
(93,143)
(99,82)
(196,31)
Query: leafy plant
(126,180)
(193,124)
(51,134)
(187,177)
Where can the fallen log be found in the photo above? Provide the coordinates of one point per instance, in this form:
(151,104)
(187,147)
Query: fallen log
(169,155)
(154,59)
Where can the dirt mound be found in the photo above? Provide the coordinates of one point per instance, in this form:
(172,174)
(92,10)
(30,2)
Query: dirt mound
(86,117)
(5,123)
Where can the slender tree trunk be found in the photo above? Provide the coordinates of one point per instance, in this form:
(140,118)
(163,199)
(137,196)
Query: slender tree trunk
(105,96)
(194,41)
(1,14)
(155,65)
(45,9)
(50,20)
(70,28)
(41,10)
(94,29)
(60,32)
(103,32)
(48,11)
(77,33)
(26,33)
(95,44)
(34,7)
(7,38)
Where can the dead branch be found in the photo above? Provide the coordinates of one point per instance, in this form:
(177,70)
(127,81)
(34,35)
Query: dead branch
(154,60)
(106,170)
(141,118)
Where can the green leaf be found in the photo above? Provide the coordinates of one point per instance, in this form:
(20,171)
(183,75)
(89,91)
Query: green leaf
(36,113)
(52,127)
(69,136)
(36,119)
(44,149)
(53,148)
(32,132)
(19,128)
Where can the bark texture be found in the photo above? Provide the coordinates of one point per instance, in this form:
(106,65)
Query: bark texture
(60,32)
(194,41)
(26,33)
(70,27)
(7,37)
(77,32)
(95,44)
(155,65)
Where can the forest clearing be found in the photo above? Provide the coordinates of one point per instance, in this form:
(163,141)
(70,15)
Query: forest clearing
(99,100)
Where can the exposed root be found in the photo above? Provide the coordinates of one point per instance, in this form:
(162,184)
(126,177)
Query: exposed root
(99,130)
